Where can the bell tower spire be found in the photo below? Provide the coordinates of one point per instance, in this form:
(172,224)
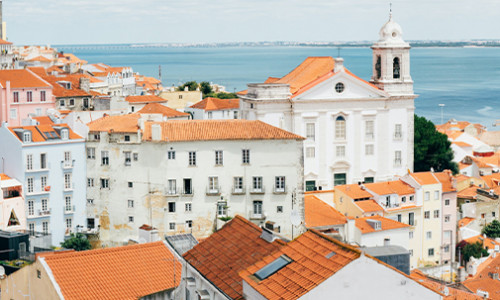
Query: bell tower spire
(391,60)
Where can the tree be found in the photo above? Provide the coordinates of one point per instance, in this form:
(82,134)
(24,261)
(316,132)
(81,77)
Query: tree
(492,230)
(205,88)
(477,250)
(192,86)
(222,95)
(431,148)
(77,241)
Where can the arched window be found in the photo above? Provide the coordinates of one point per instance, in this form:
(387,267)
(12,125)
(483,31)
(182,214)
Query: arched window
(396,68)
(378,67)
(340,128)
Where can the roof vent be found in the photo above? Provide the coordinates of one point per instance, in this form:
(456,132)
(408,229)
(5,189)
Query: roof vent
(267,235)
(339,65)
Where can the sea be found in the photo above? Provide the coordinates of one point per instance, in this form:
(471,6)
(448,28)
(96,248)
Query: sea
(465,80)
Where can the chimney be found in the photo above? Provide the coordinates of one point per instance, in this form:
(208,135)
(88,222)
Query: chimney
(85,84)
(387,242)
(186,89)
(156,132)
(339,65)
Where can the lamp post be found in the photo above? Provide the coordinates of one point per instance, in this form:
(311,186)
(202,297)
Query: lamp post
(442,106)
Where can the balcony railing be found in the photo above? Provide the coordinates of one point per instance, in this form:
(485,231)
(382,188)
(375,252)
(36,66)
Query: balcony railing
(187,192)
(238,190)
(259,215)
(280,190)
(67,164)
(172,191)
(257,190)
(214,190)
(45,212)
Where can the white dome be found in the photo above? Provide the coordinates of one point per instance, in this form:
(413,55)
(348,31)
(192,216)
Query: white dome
(391,33)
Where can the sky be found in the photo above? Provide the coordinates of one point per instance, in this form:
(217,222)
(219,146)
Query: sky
(200,21)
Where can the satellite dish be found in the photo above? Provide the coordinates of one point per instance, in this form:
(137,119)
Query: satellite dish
(295,218)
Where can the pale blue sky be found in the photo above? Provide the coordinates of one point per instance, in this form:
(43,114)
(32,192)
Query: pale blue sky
(146,21)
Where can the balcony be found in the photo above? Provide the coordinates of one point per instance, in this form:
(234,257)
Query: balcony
(69,209)
(42,213)
(213,191)
(187,191)
(256,215)
(172,192)
(67,164)
(238,190)
(280,190)
(257,190)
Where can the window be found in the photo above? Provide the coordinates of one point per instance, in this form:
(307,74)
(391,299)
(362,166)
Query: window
(13,115)
(398,131)
(29,96)
(192,158)
(188,189)
(213,184)
(171,207)
(90,182)
(411,219)
(104,158)
(90,153)
(339,87)
(45,204)
(128,158)
(68,203)
(340,151)
(43,161)
(340,128)
(171,154)
(427,196)
(189,223)
(339,178)
(397,158)
(136,156)
(447,235)
(104,183)
(411,198)
(436,195)
(368,180)
(430,252)
(279,184)
(436,214)
(399,218)
(67,159)
(31,228)
(428,235)
(69,224)
(71,102)
(130,203)
(238,184)
(403,199)
(447,248)
(493,214)
(171,226)
(369,149)
(45,227)
(188,207)
(235,114)
(311,131)
(279,209)
(131,219)
(219,158)
(30,184)
(90,201)
(130,184)
(396,69)
(411,252)
(310,152)
(31,208)
(42,96)
(38,111)
(15,97)
(257,184)
(64,134)
(222,209)
(447,218)
(369,128)
(43,182)
(410,235)
(427,214)
(62,103)
(126,138)
(67,181)
(29,162)
(257,208)
(245,156)
(209,115)
(378,67)
(172,187)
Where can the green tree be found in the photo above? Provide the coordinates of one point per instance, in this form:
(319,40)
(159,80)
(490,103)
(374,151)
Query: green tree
(222,95)
(192,86)
(475,250)
(205,88)
(431,148)
(492,230)
(78,241)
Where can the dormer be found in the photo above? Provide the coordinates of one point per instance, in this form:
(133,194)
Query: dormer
(65,84)
(64,133)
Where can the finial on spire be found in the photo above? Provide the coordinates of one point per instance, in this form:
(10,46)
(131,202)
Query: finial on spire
(390,11)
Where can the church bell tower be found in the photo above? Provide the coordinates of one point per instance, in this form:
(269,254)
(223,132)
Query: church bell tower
(391,61)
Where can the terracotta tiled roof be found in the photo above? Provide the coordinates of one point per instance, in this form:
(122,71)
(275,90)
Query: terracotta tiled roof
(44,120)
(157,108)
(40,58)
(453,135)
(128,272)
(4,177)
(462,144)
(122,123)
(354,191)
(446,179)
(44,132)
(387,224)
(318,213)
(487,242)
(369,206)
(390,187)
(211,130)
(144,99)
(458,125)
(210,103)
(424,178)
(492,180)
(40,71)
(61,92)
(464,221)
(233,248)
(453,293)
(482,280)
(21,79)
(272,79)
(468,193)
(69,58)
(4,42)
(461,177)
(55,69)
(493,160)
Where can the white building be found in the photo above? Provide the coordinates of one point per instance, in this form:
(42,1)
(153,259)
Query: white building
(12,214)
(181,176)
(214,108)
(356,130)
(49,161)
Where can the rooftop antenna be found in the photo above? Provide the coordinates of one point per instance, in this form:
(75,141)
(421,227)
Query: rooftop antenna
(390,10)
(159,72)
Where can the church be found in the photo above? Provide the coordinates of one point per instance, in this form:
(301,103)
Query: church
(355,130)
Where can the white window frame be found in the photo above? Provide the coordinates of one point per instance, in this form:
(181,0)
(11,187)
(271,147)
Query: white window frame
(105,158)
(29,162)
(369,149)
(257,183)
(369,129)
(67,159)
(172,187)
(340,128)
(279,184)
(340,151)
(311,131)
(90,153)
(398,158)
(130,203)
(245,156)
(398,131)
(128,158)
(192,158)
(219,157)
(213,184)
(43,182)
(31,208)
(68,203)
(30,185)
(67,181)
(310,152)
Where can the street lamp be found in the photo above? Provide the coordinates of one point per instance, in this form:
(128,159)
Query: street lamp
(442,106)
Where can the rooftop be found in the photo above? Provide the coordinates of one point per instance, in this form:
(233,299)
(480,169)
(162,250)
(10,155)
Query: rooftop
(44,132)
(157,108)
(355,191)
(369,206)
(386,224)
(425,178)
(483,281)
(22,78)
(144,99)
(390,187)
(209,104)
(318,213)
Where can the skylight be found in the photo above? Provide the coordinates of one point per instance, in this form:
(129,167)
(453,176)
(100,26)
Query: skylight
(273,267)
(329,255)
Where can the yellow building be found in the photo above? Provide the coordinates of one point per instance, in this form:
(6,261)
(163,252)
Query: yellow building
(181,99)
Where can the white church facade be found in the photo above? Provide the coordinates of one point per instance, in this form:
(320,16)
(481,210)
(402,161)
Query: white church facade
(356,131)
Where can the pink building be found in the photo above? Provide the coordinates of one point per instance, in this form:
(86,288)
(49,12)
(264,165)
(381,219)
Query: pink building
(22,93)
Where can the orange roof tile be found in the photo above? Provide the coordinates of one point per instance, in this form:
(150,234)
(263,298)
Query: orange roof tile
(44,132)
(272,79)
(21,78)
(424,178)
(487,242)
(122,123)
(354,191)
(369,206)
(40,58)
(210,103)
(4,177)
(318,213)
(157,108)
(387,224)
(461,177)
(482,280)
(40,71)
(128,272)
(465,221)
(144,99)
(462,144)
(492,180)
(211,130)
(390,187)
(222,255)
(468,193)
(61,92)
(453,293)
(493,160)
(55,69)
(44,120)
(4,42)
(446,179)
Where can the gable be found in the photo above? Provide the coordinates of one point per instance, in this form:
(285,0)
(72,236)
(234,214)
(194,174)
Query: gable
(354,88)
(13,220)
